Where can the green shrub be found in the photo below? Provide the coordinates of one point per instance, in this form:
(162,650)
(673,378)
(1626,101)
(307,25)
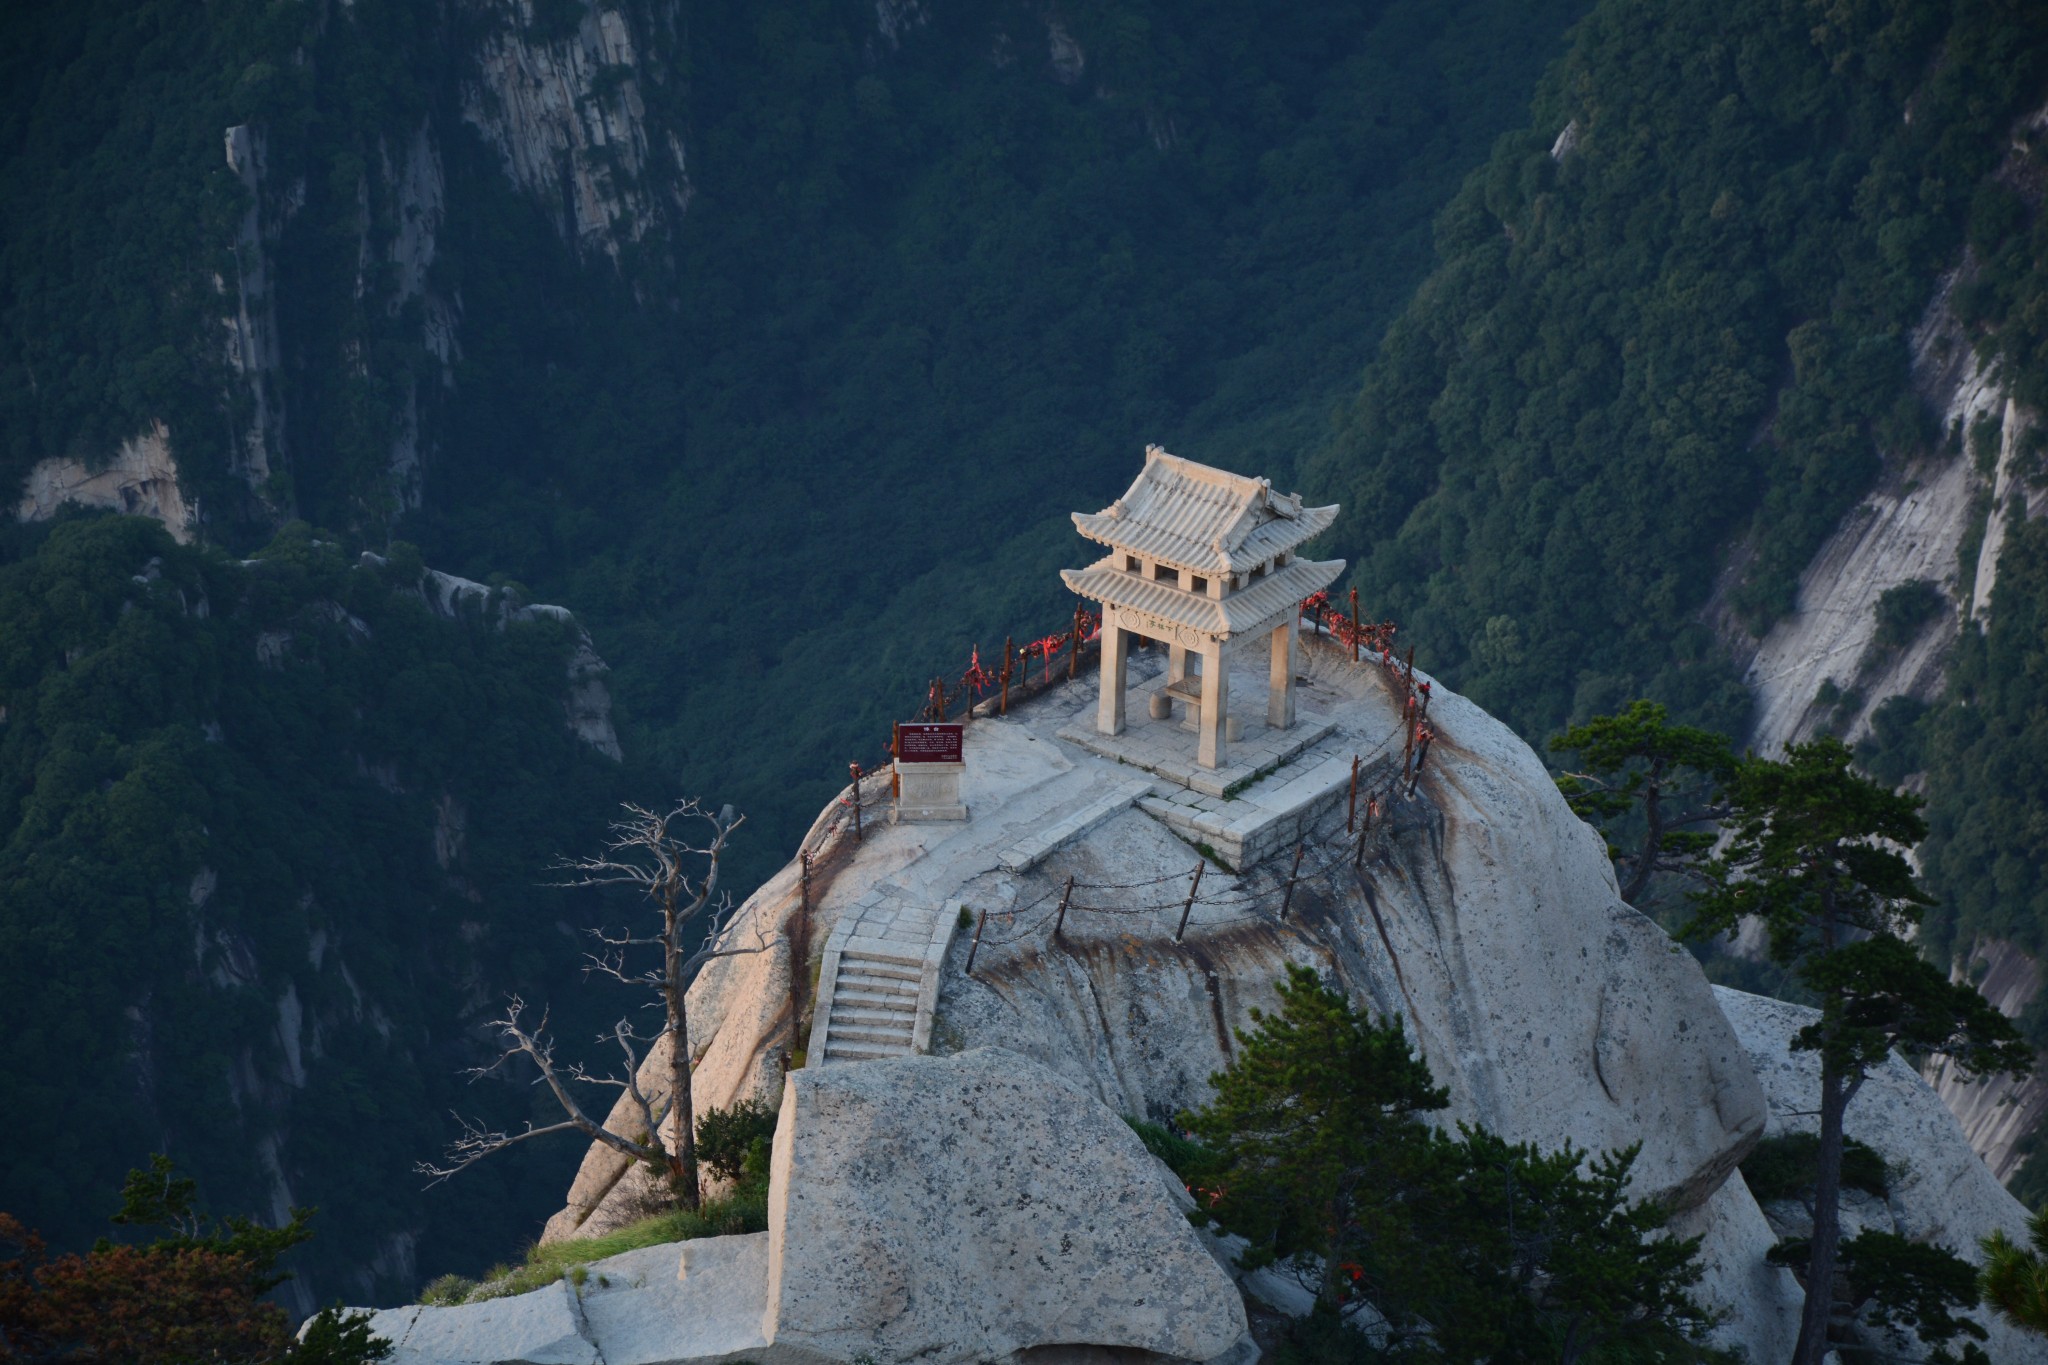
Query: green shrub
(448,1289)
(725,1136)
(1784,1167)
(1904,610)
(1187,1158)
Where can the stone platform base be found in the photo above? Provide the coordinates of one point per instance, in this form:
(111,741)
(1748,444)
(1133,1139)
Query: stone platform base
(1161,746)
(1271,815)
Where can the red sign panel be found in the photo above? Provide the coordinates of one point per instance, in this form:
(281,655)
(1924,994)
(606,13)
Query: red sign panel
(926,743)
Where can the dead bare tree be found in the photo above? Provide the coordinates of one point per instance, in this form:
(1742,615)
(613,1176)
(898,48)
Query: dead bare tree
(653,852)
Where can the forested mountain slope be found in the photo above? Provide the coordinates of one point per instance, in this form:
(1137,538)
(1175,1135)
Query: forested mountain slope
(777,341)
(1670,349)
(277,829)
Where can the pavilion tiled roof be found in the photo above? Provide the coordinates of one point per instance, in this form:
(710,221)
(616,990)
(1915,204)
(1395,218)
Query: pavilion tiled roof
(1253,605)
(1206,520)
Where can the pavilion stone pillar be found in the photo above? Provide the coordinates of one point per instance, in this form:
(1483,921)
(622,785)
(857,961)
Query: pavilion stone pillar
(1211,749)
(1280,681)
(1109,712)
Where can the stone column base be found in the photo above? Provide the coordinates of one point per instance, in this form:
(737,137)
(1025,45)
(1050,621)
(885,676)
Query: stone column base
(928,792)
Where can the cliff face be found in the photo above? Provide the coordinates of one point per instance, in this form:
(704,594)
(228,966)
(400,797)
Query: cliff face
(1483,915)
(334,324)
(1912,526)
(569,122)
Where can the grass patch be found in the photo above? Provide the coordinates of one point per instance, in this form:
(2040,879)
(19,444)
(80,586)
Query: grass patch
(745,1209)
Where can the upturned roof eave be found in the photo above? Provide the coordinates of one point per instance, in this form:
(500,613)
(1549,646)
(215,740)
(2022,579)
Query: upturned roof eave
(1225,617)
(1132,536)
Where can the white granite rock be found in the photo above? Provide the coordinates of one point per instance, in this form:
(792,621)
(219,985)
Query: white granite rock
(1762,1302)
(687,1303)
(1941,1191)
(964,1208)
(540,1328)
(1489,924)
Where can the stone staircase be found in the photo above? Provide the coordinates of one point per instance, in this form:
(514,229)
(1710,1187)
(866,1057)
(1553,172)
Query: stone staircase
(874,1008)
(878,981)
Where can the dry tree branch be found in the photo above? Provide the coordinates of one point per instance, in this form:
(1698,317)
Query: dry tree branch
(478,1142)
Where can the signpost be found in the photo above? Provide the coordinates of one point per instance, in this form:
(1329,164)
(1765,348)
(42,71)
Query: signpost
(930,743)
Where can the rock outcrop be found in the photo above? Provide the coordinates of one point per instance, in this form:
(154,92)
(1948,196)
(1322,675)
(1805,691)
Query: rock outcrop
(568,120)
(941,1206)
(1998,1113)
(943,1210)
(1483,914)
(1486,918)
(964,1208)
(141,479)
(1940,1191)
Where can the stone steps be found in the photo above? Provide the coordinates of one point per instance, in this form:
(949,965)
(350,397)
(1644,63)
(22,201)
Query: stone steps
(878,981)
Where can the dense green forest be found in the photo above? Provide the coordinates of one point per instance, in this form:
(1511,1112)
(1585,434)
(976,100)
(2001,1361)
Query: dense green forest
(1681,328)
(278,832)
(1580,309)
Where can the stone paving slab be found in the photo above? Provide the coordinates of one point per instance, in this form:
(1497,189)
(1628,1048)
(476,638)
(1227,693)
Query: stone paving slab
(1036,846)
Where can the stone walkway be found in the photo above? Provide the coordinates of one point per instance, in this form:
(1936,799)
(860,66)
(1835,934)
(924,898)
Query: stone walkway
(1035,783)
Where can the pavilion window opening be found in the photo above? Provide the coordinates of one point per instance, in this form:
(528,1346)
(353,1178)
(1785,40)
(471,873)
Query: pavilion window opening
(1165,573)
(1197,583)
(1132,564)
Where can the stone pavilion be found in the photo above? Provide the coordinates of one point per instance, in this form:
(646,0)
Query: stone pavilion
(1203,561)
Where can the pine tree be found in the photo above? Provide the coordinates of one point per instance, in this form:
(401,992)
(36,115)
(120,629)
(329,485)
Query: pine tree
(1437,1249)
(1814,855)
(2016,1277)
(1638,761)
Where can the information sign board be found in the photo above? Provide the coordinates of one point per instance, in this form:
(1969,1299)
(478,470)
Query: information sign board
(929,743)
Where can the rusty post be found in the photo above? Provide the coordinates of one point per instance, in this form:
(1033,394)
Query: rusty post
(1074,658)
(1421,757)
(1009,658)
(857,775)
(895,773)
(1292,873)
(1189,908)
(1351,811)
(1354,625)
(980,923)
(1060,922)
